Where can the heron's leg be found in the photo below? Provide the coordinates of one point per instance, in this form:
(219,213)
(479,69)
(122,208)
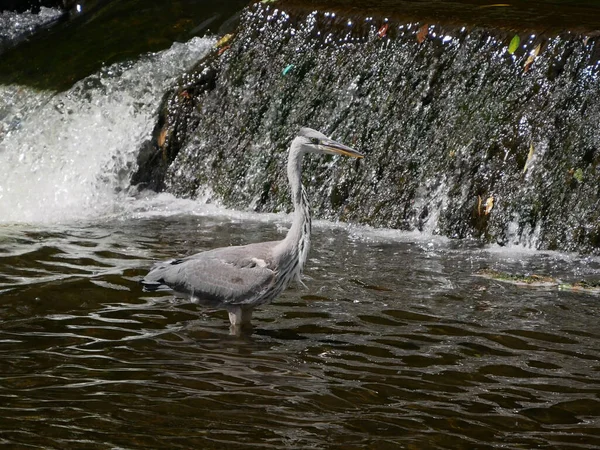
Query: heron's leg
(240,321)
(239,316)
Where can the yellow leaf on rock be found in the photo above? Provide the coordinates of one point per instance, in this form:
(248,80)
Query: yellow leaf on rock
(162,137)
(489,204)
(224,40)
(532,57)
(529,157)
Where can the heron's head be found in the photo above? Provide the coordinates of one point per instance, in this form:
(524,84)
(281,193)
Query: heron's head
(316,142)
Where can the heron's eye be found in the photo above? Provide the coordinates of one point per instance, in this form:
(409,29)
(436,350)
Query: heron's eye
(314,141)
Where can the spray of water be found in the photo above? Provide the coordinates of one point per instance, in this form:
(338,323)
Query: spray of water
(17,26)
(66,156)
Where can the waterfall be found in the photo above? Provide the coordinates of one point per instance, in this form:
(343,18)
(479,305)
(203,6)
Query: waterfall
(69,155)
(15,27)
(469,132)
(465,136)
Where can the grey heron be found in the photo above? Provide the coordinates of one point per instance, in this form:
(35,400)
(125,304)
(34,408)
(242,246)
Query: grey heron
(240,278)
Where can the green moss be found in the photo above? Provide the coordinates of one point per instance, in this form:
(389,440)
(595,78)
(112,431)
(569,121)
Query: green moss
(592,287)
(542,281)
(519,279)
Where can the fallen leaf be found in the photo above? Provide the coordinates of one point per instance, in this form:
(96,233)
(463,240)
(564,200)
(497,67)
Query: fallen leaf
(514,44)
(422,33)
(224,40)
(223,50)
(489,204)
(529,157)
(532,57)
(383,31)
(162,137)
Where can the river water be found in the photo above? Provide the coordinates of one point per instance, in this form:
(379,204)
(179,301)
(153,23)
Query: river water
(393,344)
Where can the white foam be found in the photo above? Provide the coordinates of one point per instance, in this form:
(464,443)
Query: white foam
(152,205)
(14,26)
(65,156)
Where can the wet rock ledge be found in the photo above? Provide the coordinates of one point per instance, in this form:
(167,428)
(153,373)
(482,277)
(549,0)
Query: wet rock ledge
(470,132)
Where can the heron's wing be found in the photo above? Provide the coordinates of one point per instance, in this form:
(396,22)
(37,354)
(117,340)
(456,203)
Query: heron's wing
(231,275)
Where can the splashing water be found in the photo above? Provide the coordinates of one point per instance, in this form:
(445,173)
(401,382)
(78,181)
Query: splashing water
(67,155)
(15,26)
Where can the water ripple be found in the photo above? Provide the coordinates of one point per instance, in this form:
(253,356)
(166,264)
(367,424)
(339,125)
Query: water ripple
(417,354)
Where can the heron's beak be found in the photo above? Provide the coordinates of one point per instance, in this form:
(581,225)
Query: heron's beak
(334,147)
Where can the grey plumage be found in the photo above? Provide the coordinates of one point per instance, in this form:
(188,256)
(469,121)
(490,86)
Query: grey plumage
(240,278)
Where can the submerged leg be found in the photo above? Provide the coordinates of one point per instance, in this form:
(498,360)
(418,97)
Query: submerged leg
(240,318)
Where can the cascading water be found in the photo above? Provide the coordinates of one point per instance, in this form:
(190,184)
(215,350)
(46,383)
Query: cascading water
(67,155)
(464,137)
(17,26)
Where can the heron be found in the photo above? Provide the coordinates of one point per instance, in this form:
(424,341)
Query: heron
(240,278)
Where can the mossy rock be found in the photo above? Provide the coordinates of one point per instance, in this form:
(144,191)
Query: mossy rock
(540,281)
(532,280)
(588,287)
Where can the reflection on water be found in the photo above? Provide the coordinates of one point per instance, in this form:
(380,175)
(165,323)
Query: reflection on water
(394,345)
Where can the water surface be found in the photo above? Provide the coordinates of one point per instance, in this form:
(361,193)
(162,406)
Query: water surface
(395,344)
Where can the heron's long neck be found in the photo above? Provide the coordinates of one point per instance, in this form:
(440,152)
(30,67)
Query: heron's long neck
(298,236)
